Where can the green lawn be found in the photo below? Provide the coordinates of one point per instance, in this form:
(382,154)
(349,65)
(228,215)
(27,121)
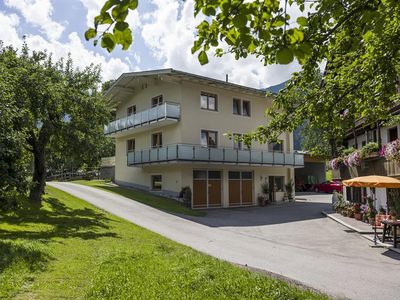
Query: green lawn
(162,203)
(70,249)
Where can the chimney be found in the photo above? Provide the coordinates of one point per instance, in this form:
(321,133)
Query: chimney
(227,78)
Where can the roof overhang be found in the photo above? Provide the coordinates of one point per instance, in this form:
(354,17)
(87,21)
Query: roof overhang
(124,84)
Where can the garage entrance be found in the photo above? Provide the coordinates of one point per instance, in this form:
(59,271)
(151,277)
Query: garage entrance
(207,189)
(240,188)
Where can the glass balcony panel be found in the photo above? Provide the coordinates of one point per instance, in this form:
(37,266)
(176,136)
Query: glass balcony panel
(216,154)
(145,156)
(130,121)
(154,154)
(171,152)
(231,155)
(268,157)
(162,154)
(289,158)
(201,153)
(185,152)
(131,158)
(279,158)
(256,156)
(243,156)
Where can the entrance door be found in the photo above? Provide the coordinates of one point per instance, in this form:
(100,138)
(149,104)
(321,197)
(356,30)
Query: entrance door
(240,188)
(207,188)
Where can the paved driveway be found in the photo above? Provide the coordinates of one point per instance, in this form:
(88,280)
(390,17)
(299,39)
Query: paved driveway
(292,239)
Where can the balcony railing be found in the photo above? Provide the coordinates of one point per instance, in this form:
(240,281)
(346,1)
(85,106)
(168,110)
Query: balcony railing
(167,110)
(198,153)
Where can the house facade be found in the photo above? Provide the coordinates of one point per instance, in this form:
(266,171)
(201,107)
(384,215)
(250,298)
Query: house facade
(373,164)
(170,132)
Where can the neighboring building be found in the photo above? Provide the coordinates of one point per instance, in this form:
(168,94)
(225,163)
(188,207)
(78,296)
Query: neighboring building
(314,170)
(374,164)
(170,133)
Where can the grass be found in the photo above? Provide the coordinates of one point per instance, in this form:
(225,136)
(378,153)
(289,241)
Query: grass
(162,203)
(68,249)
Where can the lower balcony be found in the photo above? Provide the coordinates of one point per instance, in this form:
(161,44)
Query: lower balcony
(201,154)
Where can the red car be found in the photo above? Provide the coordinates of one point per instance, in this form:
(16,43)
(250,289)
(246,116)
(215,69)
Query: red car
(329,186)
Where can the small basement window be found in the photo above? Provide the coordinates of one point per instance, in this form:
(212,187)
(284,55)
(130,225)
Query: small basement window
(156,182)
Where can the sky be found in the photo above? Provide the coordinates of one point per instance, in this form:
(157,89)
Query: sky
(164,31)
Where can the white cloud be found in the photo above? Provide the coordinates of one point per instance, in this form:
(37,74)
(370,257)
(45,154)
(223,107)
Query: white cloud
(111,68)
(170,39)
(93,9)
(38,13)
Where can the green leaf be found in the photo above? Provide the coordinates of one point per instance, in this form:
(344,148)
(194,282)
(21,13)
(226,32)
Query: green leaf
(90,33)
(108,42)
(133,4)
(203,58)
(302,21)
(209,11)
(119,14)
(284,56)
(123,37)
(240,20)
(368,35)
(121,26)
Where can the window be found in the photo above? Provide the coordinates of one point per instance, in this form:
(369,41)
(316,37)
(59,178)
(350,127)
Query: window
(246,108)
(156,101)
(277,182)
(371,136)
(209,138)
(208,101)
(130,145)
(156,140)
(363,143)
(156,182)
(278,147)
(237,109)
(131,110)
(393,134)
(241,107)
(237,143)
(198,174)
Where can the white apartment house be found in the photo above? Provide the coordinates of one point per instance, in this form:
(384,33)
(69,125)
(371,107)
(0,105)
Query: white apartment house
(170,133)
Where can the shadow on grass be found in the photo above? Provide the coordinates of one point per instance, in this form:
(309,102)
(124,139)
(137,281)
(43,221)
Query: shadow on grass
(11,253)
(64,221)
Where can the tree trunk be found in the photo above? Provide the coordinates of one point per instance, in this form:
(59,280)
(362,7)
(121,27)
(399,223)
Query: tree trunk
(39,175)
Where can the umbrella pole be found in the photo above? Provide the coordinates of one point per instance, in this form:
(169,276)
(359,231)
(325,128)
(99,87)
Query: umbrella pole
(374,218)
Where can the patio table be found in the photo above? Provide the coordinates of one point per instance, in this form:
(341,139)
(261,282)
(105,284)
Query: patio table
(394,225)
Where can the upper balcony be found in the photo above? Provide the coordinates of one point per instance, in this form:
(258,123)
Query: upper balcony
(218,155)
(161,115)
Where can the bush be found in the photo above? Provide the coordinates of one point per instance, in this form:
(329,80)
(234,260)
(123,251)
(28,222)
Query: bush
(186,195)
(369,148)
(348,151)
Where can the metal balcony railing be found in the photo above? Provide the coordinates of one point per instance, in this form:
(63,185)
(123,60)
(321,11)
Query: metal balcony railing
(198,153)
(167,110)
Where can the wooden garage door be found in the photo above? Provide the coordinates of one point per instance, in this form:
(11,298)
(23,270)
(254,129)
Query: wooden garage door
(240,188)
(199,189)
(207,189)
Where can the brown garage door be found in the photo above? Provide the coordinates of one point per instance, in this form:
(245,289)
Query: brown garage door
(207,187)
(240,188)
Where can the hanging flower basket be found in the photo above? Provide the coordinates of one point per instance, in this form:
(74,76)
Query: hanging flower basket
(391,151)
(353,159)
(336,163)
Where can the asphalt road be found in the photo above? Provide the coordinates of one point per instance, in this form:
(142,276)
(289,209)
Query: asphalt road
(293,240)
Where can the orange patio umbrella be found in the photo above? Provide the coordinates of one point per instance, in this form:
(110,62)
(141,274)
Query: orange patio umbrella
(373,181)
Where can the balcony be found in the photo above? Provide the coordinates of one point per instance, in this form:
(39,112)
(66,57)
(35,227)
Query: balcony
(164,114)
(198,153)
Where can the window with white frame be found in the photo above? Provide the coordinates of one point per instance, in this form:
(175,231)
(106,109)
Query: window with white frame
(156,140)
(209,138)
(156,101)
(208,101)
(241,107)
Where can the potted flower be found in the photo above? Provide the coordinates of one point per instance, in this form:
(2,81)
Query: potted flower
(371,216)
(357,211)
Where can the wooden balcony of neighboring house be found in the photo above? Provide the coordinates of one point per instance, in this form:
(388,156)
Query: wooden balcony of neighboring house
(162,115)
(187,153)
(373,164)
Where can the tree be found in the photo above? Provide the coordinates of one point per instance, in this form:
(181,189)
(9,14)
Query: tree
(354,42)
(13,163)
(56,107)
